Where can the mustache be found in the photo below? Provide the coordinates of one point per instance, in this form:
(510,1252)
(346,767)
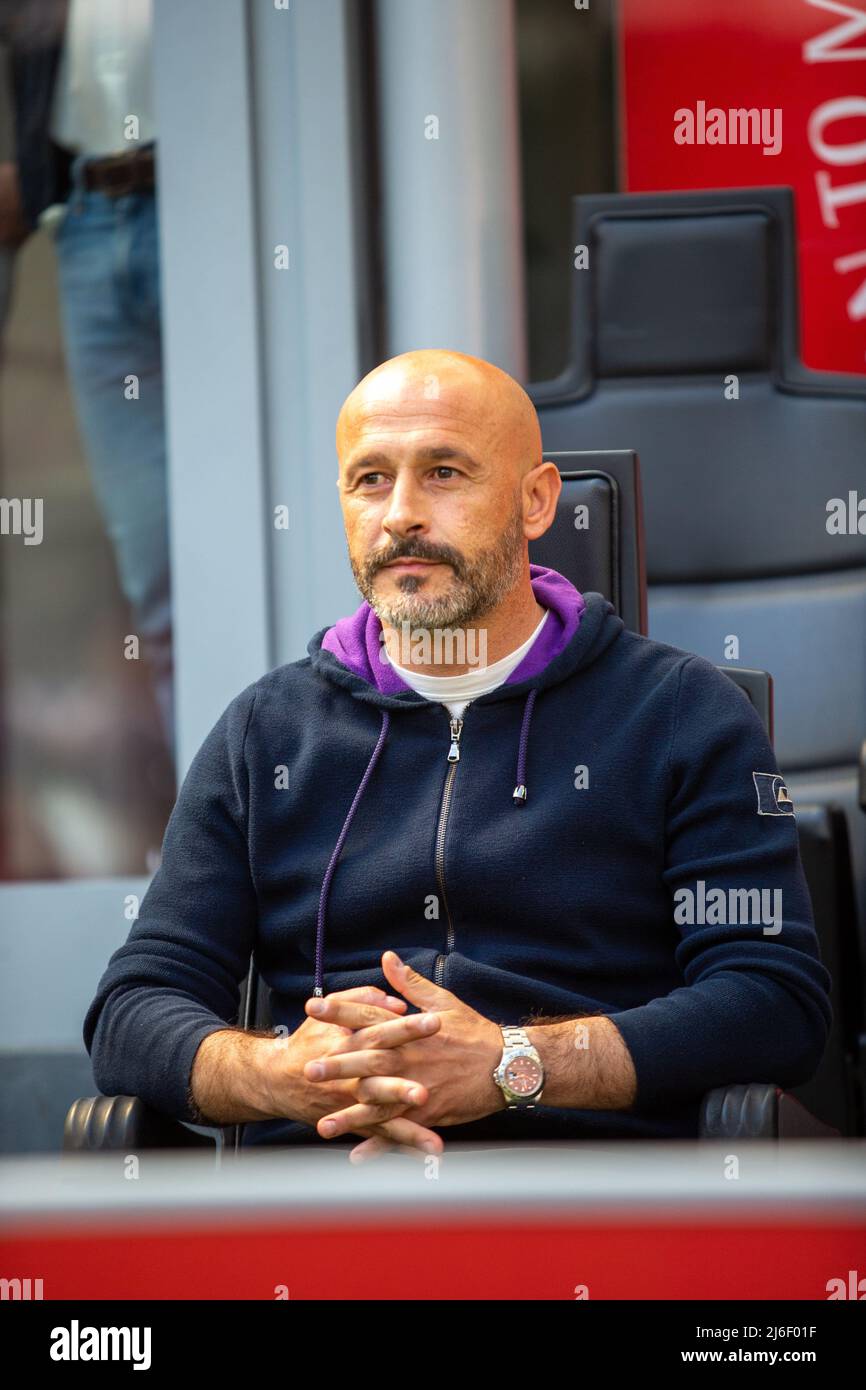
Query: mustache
(415,550)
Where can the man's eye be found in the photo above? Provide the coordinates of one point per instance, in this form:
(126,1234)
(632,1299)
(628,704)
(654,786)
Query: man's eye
(442,471)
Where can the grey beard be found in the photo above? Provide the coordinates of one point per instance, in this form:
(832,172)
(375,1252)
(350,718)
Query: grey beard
(471,595)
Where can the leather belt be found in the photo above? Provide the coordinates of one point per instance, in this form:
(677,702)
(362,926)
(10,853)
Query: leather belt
(118,174)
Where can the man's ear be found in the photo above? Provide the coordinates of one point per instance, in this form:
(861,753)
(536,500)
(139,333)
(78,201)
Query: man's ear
(547,484)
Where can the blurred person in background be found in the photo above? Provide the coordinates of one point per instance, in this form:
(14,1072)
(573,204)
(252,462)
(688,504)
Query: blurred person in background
(84,169)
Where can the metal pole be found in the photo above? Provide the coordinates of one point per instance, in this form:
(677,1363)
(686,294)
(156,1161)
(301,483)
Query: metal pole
(451,178)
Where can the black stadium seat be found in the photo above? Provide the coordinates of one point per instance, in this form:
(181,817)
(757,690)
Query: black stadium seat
(596,539)
(837,1091)
(683,292)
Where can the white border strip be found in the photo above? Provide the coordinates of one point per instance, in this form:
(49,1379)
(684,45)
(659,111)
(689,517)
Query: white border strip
(825,1180)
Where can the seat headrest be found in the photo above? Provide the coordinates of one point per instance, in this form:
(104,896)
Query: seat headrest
(681,294)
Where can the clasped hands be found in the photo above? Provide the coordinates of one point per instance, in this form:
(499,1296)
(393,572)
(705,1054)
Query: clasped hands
(431,1068)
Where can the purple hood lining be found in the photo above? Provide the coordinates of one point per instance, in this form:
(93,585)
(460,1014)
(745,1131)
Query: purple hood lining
(356,641)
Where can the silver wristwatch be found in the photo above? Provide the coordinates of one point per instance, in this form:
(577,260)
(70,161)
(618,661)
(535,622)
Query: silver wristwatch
(520,1074)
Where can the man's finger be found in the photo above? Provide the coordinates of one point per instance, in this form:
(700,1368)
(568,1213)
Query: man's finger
(417,988)
(347,1121)
(385,1089)
(351,1013)
(355,1014)
(402,1134)
(350,1065)
(370,994)
(382,1039)
(415,1136)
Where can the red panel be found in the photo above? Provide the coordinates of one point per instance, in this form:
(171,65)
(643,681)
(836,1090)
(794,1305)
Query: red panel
(449,1260)
(754,53)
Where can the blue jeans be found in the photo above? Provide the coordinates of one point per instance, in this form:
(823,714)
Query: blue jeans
(108,268)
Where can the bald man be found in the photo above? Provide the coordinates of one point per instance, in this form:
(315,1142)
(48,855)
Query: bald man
(496,855)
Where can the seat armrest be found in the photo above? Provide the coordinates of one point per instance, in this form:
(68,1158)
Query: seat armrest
(758,1110)
(106,1123)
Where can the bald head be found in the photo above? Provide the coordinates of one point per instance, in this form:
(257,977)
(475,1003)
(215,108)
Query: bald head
(437,385)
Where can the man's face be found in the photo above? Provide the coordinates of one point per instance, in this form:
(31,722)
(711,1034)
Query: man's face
(433,512)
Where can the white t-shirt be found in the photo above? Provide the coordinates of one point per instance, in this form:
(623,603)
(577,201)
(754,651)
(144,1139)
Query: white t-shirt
(455,692)
(104,77)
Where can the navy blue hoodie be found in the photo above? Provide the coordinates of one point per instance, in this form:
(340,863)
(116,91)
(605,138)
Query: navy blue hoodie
(321,822)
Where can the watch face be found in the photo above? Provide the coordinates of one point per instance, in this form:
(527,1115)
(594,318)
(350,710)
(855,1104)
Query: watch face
(523,1075)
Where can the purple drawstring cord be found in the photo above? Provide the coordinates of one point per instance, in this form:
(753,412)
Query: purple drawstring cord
(326,882)
(519,793)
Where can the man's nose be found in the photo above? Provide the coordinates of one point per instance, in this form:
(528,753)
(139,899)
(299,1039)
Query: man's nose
(405,513)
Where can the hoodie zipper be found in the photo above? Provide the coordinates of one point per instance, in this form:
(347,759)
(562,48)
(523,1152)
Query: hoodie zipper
(456,727)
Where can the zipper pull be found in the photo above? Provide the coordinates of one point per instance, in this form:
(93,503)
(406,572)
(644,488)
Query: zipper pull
(454,750)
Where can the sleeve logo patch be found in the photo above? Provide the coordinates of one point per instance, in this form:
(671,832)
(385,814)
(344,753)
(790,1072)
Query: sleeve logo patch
(773,796)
